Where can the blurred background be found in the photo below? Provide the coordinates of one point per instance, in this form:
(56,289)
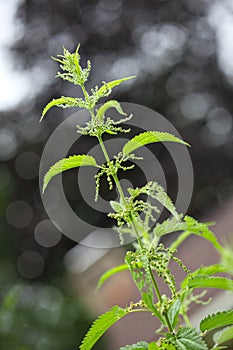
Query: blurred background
(182,54)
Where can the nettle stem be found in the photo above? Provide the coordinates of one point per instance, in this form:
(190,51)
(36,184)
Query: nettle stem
(120,190)
(121,193)
(122,196)
(186,319)
(158,294)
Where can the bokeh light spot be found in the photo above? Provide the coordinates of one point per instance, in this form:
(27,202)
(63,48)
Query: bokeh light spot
(219,121)
(194,106)
(27,165)
(19,214)
(8,144)
(30,264)
(46,234)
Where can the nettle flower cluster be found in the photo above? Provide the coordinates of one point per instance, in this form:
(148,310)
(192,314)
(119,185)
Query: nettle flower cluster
(136,215)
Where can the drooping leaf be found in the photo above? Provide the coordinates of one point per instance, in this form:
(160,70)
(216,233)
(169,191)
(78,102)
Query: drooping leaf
(204,270)
(110,104)
(223,335)
(157,191)
(101,325)
(187,339)
(202,230)
(219,319)
(148,137)
(110,273)
(203,281)
(111,84)
(66,164)
(65,102)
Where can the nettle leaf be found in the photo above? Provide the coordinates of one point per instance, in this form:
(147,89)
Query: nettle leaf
(110,104)
(142,345)
(187,338)
(173,312)
(66,164)
(153,346)
(202,230)
(149,303)
(204,270)
(65,102)
(223,336)
(116,206)
(111,84)
(203,281)
(110,273)
(101,325)
(168,226)
(158,192)
(148,137)
(220,319)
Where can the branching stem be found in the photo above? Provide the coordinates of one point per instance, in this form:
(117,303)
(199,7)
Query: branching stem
(122,196)
(156,288)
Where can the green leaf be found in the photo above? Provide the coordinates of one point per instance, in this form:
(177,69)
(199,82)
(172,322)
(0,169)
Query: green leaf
(111,84)
(153,346)
(203,281)
(202,230)
(173,312)
(204,270)
(149,303)
(220,319)
(116,206)
(223,336)
(101,325)
(148,137)
(12,298)
(65,102)
(168,226)
(158,192)
(142,345)
(66,164)
(110,104)
(110,273)
(227,258)
(187,339)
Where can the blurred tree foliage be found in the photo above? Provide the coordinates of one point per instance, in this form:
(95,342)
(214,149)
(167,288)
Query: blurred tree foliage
(41,317)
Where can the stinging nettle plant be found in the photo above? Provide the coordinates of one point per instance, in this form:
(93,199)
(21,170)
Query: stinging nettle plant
(135,215)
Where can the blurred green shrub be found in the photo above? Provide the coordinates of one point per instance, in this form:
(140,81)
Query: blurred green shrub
(38,316)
